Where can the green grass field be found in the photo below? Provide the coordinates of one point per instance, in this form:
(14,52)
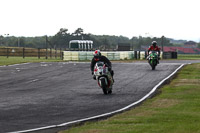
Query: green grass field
(175,110)
(189,56)
(16,60)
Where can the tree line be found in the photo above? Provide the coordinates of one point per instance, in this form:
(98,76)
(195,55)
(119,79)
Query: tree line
(62,37)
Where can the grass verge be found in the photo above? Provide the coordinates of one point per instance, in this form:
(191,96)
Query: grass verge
(175,110)
(18,60)
(188,56)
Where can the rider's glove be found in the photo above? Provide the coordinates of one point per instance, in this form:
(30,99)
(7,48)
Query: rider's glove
(92,72)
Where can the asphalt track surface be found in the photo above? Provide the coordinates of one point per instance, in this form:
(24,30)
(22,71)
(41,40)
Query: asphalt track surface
(37,95)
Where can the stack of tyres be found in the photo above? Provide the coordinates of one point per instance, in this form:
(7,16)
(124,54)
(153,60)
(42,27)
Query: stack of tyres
(130,55)
(110,55)
(142,55)
(82,56)
(122,55)
(67,55)
(104,54)
(116,56)
(89,55)
(126,55)
(75,56)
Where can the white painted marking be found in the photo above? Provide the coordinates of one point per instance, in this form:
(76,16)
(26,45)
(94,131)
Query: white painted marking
(44,65)
(34,80)
(19,64)
(106,114)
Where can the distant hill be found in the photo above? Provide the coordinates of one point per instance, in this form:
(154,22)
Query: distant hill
(173,41)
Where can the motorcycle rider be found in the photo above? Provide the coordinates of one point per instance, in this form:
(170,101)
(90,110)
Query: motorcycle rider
(98,57)
(154,47)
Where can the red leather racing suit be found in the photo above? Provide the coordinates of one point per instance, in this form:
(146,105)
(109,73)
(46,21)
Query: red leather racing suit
(152,48)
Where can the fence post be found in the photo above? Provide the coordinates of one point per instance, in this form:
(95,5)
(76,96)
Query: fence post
(135,54)
(61,53)
(56,53)
(7,52)
(38,53)
(46,53)
(139,55)
(23,52)
(50,52)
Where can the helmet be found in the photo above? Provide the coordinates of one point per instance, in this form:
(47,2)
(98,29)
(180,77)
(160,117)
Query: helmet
(97,53)
(154,43)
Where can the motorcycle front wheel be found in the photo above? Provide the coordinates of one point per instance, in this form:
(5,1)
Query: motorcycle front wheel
(154,65)
(103,85)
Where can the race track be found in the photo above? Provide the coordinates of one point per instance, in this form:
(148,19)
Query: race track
(42,94)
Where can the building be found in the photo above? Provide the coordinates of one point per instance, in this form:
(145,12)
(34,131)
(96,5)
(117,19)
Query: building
(190,44)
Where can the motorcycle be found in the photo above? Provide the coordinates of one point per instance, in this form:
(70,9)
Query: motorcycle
(153,59)
(103,77)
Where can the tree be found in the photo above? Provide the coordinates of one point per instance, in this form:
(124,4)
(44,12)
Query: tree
(61,39)
(198,45)
(78,32)
(63,32)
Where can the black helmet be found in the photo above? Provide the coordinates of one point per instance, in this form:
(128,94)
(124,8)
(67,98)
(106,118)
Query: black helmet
(154,43)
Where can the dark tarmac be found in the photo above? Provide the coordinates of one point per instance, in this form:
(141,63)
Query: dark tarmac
(37,95)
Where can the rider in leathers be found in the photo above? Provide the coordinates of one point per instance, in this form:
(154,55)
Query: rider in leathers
(98,57)
(154,47)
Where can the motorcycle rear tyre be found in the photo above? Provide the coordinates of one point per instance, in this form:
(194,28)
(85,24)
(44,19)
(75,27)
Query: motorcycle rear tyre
(110,92)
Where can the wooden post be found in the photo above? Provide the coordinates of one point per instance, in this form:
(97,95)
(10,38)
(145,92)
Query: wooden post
(50,52)
(61,53)
(23,52)
(135,55)
(46,47)
(7,52)
(38,53)
(56,53)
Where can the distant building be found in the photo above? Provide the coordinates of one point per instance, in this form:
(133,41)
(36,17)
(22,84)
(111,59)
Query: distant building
(123,47)
(190,44)
(80,45)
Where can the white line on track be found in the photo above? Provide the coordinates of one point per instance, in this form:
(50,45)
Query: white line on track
(19,64)
(34,80)
(106,114)
(14,65)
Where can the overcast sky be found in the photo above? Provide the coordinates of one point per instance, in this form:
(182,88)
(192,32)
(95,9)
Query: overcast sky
(178,19)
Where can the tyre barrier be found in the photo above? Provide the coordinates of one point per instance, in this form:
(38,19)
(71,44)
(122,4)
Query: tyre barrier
(117,55)
(82,55)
